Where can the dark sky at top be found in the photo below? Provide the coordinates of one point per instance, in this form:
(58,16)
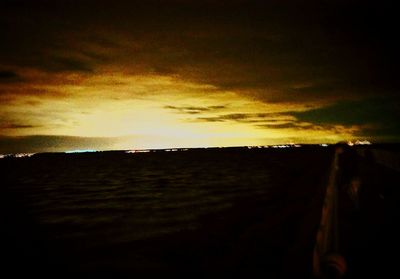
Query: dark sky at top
(341,55)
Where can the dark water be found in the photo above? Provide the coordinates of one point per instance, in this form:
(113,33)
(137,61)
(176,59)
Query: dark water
(198,212)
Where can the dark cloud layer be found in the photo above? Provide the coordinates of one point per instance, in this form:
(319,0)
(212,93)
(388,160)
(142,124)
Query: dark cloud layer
(290,125)
(341,53)
(243,117)
(336,47)
(194,109)
(354,112)
(378,116)
(51,143)
(18,126)
(9,76)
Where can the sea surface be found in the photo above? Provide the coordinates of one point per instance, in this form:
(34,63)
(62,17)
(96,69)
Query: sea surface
(199,213)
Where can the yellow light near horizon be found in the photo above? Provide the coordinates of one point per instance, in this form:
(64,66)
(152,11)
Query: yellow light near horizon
(113,104)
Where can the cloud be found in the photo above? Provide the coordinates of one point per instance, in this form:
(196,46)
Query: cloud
(360,112)
(289,125)
(253,47)
(303,53)
(366,117)
(9,77)
(67,64)
(247,117)
(42,143)
(377,116)
(194,109)
(18,126)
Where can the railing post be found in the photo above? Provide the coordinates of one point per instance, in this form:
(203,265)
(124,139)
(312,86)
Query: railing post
(327,262)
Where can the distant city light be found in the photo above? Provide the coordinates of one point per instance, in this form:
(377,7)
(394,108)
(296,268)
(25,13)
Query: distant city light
(362,142)
(17,155)
(359,142)
(80,151)
(22,155)
(149,150)
(137,151)
(350,143)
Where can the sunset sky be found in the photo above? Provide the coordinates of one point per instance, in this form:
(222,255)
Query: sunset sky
(158,74)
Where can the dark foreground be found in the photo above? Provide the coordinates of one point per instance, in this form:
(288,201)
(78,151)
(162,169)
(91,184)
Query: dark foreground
(196,214)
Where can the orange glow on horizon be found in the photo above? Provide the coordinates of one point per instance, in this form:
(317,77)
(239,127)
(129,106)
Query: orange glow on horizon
(152,111)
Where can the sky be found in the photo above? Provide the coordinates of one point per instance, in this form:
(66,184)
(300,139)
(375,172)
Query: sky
(159,74)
